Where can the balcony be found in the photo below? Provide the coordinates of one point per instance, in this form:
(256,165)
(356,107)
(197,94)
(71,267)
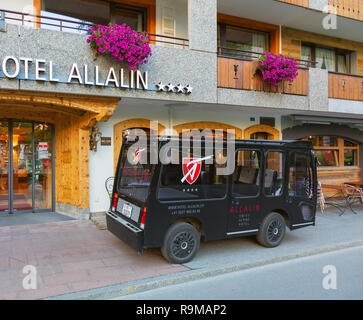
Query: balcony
(348,8)
(67,24)
(236,70)
(345,86)
(352,9)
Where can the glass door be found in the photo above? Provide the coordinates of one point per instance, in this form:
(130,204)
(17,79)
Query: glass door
(26,152)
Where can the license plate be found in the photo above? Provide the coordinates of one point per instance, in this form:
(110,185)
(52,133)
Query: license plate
(127,210)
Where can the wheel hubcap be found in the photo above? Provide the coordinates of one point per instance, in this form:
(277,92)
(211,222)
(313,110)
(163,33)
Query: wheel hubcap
(183,245)
(274,231)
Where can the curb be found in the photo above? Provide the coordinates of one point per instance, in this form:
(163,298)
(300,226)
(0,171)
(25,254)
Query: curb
(143,285)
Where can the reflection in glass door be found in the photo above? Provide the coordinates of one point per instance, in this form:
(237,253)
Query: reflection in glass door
(26,152)
(43,166)
(22,165)
(4,179)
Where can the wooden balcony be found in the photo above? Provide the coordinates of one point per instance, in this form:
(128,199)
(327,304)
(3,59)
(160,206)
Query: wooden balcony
(348,8)
(302,3)
(245,78)
(345,86)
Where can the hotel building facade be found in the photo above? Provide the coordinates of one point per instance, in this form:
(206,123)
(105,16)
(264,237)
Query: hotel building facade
(55,93)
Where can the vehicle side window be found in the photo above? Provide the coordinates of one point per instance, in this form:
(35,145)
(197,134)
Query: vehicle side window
(247,173)
(300,176)
(207,185)
(273,179)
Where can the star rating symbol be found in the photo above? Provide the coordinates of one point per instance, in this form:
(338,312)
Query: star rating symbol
(172,88)
(160,86)
(189,89)
(179,88)
(169,88)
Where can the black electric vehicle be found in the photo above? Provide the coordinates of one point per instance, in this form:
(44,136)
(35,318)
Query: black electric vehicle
(174,206)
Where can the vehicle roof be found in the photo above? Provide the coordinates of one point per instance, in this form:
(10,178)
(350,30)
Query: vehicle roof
(280,143)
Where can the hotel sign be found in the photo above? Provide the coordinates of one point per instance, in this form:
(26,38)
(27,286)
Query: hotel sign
(18,68)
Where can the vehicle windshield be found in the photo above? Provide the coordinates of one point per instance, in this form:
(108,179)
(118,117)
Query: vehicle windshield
(134,178)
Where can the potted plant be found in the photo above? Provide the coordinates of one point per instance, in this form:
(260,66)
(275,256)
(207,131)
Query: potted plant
(121,43)
(274,70)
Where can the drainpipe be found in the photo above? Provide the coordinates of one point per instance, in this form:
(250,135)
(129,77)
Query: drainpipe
(280,38)
(171,124)
(2,21)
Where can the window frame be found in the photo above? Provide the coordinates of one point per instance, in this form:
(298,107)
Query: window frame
(340,148)
(338,52)
(221,34)
(283,162)
(261,179)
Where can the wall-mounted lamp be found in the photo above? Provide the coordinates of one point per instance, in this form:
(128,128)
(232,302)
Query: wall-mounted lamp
(94,138)
(235,67)
(343,83)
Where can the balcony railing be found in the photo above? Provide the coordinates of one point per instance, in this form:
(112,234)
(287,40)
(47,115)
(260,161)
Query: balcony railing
(345,86)
(75,26)
(237,70)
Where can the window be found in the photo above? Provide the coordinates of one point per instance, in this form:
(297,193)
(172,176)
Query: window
(242,39)
(135,177)
(91,12)
(332,151)
(273,179)
(331,59)
(203,181)
(247,173)
(300,176)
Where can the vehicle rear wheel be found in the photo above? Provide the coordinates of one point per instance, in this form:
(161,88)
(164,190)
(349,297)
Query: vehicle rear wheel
(181,243)
(272,230)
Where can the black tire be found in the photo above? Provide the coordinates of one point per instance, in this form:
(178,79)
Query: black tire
(181,243)
(272,230)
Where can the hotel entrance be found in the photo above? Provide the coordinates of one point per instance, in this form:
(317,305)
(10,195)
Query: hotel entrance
(26,166)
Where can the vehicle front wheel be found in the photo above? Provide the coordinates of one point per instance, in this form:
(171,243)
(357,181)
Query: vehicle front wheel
(181,243)
(272,230)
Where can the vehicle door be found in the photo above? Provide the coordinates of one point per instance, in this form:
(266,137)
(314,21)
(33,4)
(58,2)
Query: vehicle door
(245,207)
(301,193)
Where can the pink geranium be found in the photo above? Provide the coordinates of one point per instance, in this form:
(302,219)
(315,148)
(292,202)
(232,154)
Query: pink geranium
(121,43)
(277,68)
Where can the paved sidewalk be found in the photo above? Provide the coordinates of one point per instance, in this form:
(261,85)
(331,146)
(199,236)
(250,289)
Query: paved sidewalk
(71,256)
(76,260)
(331,234)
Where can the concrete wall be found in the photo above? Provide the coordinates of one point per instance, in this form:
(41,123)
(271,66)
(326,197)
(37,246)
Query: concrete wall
(169,65)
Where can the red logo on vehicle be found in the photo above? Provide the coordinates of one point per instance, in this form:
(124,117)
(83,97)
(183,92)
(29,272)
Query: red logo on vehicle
(137,155)
(191,169)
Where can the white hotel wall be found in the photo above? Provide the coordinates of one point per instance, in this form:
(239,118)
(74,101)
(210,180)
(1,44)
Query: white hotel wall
(101,162)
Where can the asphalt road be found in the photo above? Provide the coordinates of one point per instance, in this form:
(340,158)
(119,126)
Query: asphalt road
(301,278)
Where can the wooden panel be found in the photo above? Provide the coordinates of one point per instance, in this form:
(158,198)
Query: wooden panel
(348,8)
(338,177)
(302,3)
(347,87)
(246,81)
